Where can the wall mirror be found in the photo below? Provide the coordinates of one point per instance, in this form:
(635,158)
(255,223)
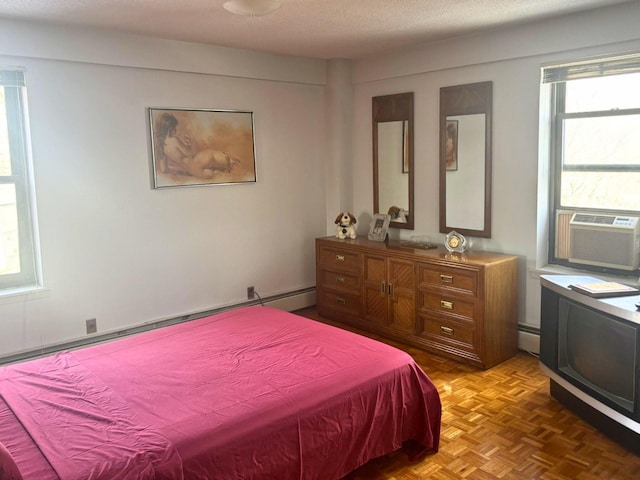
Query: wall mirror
(465,159)
(393,158)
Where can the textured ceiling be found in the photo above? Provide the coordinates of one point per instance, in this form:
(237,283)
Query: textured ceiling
(309,28)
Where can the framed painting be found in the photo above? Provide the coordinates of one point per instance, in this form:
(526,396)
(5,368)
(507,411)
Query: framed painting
(451,143)
(192,147)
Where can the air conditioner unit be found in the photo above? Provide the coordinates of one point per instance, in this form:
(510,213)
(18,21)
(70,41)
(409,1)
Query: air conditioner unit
(611,241)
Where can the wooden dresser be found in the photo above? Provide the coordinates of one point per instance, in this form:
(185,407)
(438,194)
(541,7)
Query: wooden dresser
(463,306)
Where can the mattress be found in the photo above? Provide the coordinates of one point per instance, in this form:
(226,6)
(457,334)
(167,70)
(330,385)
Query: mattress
(249,393)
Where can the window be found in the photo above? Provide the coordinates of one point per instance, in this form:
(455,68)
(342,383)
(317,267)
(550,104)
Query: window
(595,155)
(17,246)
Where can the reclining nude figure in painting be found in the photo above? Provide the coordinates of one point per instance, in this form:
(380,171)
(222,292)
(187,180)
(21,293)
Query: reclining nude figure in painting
(178,157)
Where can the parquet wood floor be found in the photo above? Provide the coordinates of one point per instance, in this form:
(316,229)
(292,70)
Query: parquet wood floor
(501,423)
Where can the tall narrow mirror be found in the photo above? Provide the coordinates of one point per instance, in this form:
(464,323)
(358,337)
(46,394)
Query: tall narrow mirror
(393,158)
(465,159)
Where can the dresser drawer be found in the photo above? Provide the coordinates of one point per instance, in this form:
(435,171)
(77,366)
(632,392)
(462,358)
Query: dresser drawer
(339,280)
(340,302)
(463,281)
(338,259)
(447,332)
(434,300)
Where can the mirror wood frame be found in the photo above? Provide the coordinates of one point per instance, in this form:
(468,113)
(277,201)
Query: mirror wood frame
(469,99)
(391,108)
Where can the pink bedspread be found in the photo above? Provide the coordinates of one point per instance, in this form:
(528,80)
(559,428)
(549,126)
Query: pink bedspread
(250,393)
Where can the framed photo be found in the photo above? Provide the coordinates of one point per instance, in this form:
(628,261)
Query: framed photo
(451,143)
(379,227)
(201,147)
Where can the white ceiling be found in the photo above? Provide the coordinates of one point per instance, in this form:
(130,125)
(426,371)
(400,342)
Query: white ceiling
(310,28)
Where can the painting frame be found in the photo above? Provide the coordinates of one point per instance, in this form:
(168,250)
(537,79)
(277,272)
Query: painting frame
(201,147)
(451,146)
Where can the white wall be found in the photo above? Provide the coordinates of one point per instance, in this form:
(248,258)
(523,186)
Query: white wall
(116,250)
(511,59)
(113,248)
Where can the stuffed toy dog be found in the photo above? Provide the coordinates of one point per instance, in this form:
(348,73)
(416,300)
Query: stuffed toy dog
(398,214)
(346,225)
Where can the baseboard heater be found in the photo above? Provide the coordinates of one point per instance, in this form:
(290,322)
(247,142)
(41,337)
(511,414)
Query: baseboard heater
(287,301)
(290,301)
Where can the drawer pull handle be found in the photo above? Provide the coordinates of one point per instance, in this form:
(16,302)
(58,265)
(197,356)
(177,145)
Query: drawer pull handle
(447,305)
(340,258)
(390,289)
(446,278)
(341,301)
(340,279)
(382,288)
(446,330)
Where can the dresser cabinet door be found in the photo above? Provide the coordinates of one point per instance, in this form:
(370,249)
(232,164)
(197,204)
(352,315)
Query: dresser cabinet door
(389,285)
(402,300)
(375,290)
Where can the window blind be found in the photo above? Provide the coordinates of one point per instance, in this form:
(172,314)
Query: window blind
(12,78)
(621,64)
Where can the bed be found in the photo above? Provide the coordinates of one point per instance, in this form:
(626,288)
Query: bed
(249,393)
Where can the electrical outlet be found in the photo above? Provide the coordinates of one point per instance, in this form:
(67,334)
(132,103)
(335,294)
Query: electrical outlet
(92,325)
(251,293)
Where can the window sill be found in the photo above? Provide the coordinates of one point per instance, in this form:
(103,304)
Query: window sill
(549,269)
(26,294)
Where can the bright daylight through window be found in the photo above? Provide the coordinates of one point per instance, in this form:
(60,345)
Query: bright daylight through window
(17,249)
(595,153)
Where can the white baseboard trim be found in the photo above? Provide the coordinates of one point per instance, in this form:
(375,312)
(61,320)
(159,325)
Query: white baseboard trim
(529,342)
(294,302)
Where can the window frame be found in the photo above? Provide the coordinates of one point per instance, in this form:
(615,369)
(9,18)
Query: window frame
(558,115)
(13,82)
